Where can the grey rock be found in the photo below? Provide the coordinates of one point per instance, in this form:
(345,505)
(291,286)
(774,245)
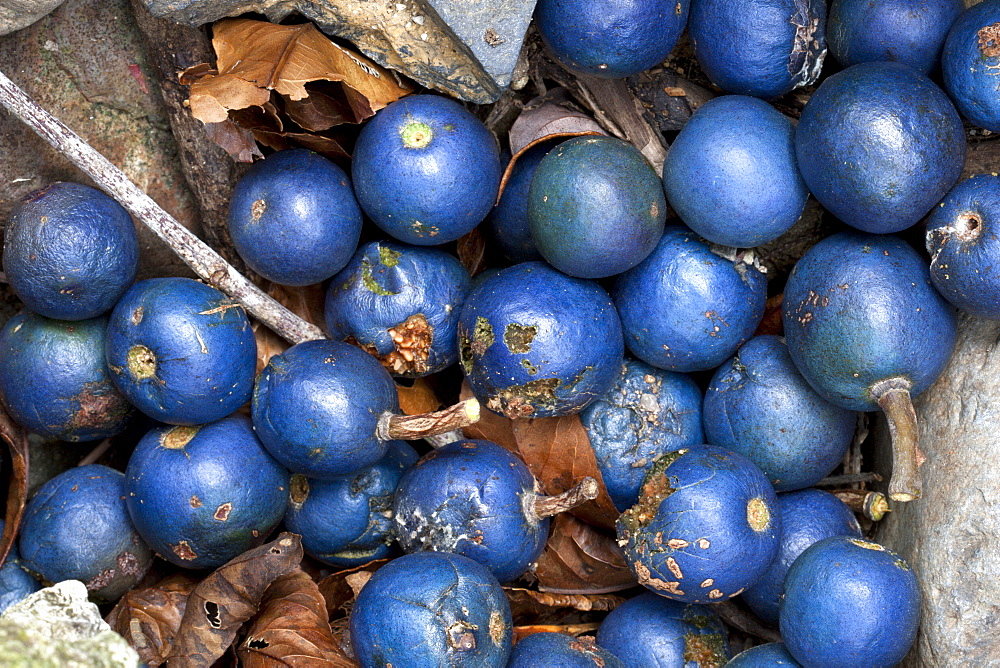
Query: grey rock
(57,627)
(949,536)
(17,14)
(466,47)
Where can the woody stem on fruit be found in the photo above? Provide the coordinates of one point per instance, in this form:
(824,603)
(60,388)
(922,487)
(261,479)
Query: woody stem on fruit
(204,261)
(893,397)
(549,506)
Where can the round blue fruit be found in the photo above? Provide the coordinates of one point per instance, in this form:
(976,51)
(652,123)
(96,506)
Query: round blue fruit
(293,218)
(201,496)
(731,174)
(472,498)
(559,650)
(759,405)
(860,309)
(509,218)
(69,251)
(764,656)
(181,351)
(316,407)
(849,602)
(964,248)
(433,609)
(401,304)
(534,342)
(807,516)
(76,527)
(685,308)
(595,207)
(970,61)
(650,630)
(15,582)
(645,414)
(425,170)
(911,32)
(878,145)
(611,40)
(348,521)
(54,380)
(763,48)
(705,527)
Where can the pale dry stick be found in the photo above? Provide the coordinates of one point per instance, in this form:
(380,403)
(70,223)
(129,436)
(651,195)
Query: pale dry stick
(204,261)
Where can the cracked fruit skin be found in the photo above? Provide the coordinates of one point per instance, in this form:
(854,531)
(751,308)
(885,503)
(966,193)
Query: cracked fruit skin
(650,630)
(316,407)
(348,521)
(759,405)
(535,342)
(686,308)
(181,351)
(560,650)
(613,39)
(732,175)
(472,498)
(646,413)
(76,527)
(859,309)
(15,583)
(425,170)
(807,516)
(879,144)
(417,292)
(964,248)
(705,527)
(764,656)
(201,496)
(970,62)
(293,218)
(595,207)
(54,380)
(70,251)
(431,609)
(911,32)
(763,48)
(849,602)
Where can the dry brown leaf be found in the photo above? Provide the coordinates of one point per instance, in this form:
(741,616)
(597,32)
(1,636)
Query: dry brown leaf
(579,559)
(472,251)
(771,323)
(236,141)
(150,618)
(292,628)
(338,592)
(256,57)
(17,487)
(522,632)
(319,111)
(227,598)
(558,452)
(417,398)
(491,427)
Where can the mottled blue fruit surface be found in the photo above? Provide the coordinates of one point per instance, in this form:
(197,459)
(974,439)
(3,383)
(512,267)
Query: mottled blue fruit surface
(431,609)
(970,62)
(807,516)
(859,309)
(646,413)
(534,342)
(759,405)
(705,527)
(878,145)
(650,630)
(401,304)
(732,175)
(69,251)
(849,602)
(15,582)
(964,247)
(76,527)
(509,218)
(764,656)
(54,379)
(559,650)
(686,308)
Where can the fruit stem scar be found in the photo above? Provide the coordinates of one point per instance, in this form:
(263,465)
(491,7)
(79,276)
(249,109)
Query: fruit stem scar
(413,427)
(178,437)
(416,134)
(893,397)
(141,362)
(585,490)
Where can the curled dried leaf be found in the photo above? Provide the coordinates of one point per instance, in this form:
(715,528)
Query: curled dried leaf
(417,398)
(17,489)
(227,598)
(338,592)
(150,618)
(522,632)
(579,559)
(292,628)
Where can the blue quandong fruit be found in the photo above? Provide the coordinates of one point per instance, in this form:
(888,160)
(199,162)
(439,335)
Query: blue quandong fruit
(562,650)
(969,62)
(509,218)
(400,303)
(15,582)
(764,656)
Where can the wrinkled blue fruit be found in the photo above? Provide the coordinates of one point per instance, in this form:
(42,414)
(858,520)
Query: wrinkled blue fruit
(764,656)
(559,650)
(970,62)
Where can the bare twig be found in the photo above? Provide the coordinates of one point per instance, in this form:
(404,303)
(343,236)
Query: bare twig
(96,453)
(548,506)
(412,427)
(848,479)
(205,262)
